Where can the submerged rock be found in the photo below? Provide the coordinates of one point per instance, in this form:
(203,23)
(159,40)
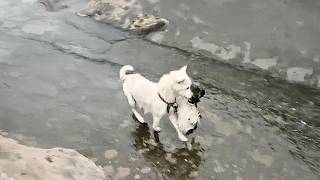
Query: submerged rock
(21,162)
(126,14)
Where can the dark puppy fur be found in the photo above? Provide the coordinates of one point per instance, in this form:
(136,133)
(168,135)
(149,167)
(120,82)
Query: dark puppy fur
(198,92)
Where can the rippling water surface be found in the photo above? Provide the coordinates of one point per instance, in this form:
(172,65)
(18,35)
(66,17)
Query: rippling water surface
(59,86)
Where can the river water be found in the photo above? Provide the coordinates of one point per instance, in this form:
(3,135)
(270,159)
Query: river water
(59,86)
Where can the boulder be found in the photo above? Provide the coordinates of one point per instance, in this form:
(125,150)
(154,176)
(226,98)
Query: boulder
(21,162)
(126,14)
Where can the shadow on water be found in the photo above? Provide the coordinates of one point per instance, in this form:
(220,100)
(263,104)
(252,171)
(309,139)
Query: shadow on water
(182,163)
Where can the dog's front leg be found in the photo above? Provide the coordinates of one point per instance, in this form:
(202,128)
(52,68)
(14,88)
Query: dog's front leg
(173,120)
(156,121)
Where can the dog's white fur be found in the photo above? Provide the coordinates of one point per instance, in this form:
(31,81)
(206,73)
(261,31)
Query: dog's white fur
(173,87)
(187,115)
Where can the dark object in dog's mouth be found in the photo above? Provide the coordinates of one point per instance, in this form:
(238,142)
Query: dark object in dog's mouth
(197,92)
(190,131)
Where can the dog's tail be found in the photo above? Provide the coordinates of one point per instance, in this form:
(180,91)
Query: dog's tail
(124,70)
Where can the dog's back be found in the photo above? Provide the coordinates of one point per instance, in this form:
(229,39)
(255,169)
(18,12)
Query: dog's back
(142,90)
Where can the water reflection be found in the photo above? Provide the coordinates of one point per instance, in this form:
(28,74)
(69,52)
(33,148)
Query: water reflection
(178,164)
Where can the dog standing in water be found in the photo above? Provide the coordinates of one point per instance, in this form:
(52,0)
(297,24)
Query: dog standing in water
(172,94)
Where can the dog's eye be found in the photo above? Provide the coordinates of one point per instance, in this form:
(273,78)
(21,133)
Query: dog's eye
(188,119)
(188,87)
(200,116)
(179,82)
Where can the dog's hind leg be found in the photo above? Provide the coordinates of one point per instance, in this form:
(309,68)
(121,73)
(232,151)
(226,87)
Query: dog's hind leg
(132,103)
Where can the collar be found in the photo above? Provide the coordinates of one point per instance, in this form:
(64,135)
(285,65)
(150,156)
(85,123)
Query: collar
(169,105)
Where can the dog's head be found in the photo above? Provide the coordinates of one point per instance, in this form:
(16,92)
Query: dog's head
(188,117)
(181,83)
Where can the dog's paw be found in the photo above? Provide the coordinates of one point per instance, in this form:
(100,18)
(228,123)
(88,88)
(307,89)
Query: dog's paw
(183,138)
(158,129)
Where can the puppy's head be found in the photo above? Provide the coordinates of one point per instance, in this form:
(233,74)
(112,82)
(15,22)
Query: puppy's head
(181,83)
(188,117)
(197,93)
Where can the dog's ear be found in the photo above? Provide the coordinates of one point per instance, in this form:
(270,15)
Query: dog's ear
(184,69)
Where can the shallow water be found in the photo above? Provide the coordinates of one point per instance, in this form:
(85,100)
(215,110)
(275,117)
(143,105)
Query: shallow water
(59,86)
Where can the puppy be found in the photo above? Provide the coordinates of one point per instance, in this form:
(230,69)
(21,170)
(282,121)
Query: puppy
(186,117)
(157,98)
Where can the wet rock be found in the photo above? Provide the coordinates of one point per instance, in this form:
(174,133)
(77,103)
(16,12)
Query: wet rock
(126,14)
(56,163)
(110,154)
(122,172)
(144,23)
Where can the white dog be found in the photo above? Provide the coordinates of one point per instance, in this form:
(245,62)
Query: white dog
(170,94)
